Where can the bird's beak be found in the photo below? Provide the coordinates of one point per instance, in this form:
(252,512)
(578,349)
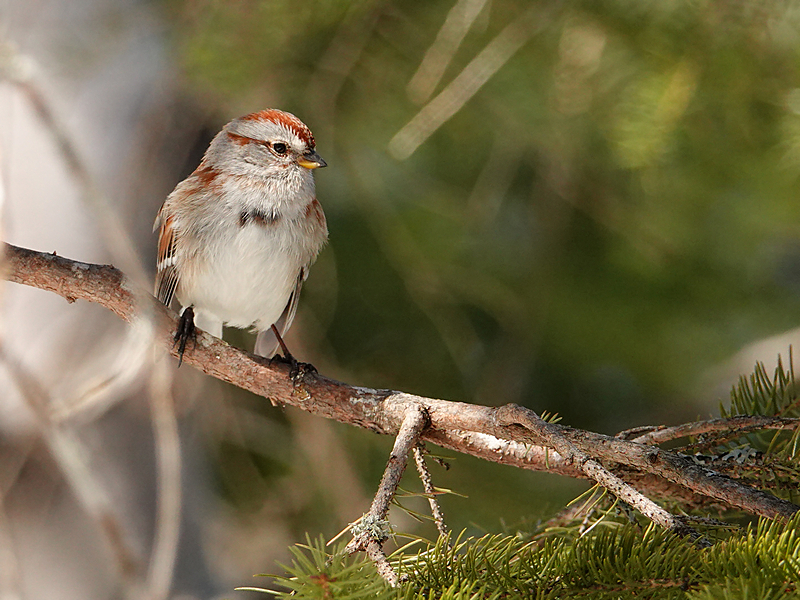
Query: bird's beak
(311,161)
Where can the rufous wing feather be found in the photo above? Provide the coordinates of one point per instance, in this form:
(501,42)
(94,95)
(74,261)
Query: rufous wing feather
(166,267)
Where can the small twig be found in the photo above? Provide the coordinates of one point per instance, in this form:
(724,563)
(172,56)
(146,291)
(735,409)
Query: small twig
(372,529)
(668,465)
(681,470)
(374,550)
(430,491)
(738,425)
(512,414)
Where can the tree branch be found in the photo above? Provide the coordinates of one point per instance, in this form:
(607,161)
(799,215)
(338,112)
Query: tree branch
(372,529)
(508,435)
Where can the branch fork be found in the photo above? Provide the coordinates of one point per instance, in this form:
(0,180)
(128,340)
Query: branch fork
(550,436)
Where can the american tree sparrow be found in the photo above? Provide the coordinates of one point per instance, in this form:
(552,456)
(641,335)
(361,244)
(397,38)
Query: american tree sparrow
(236,238)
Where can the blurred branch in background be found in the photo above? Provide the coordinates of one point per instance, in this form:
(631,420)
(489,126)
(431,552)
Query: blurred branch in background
(439,55)
(59,419)
(490,60)
(164,553)
(20,70)
(72,458)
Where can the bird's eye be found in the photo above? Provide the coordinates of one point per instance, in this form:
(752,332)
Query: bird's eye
(279,148)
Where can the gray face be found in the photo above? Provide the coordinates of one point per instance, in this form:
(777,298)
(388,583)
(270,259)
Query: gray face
(278,146)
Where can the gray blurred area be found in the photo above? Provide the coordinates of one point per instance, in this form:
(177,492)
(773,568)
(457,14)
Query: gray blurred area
(78,484)
(586,208)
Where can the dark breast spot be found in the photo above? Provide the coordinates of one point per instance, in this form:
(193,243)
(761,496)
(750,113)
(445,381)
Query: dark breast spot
(258,217)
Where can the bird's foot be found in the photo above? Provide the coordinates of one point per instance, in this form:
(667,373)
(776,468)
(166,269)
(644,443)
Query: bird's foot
(186,331)
(297,370)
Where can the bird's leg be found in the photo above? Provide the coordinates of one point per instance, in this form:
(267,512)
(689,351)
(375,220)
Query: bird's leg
(286,354)
(296,369)
(186,330)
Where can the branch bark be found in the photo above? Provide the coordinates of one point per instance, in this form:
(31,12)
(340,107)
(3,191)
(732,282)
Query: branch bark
(509,435)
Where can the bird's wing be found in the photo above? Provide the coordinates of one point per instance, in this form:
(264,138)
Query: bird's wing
(166,267)
(266,342)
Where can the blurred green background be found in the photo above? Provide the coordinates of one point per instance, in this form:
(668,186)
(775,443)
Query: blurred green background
(610,215)
(589,208)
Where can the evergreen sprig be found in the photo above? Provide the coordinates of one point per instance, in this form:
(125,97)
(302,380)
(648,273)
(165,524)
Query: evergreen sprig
(625,562)
(775,396)
(760,394)
(316,574)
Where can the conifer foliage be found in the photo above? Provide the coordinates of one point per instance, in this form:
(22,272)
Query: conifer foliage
(613,562)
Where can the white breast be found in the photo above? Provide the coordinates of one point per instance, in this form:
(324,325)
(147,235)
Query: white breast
(246,274)
(249,280)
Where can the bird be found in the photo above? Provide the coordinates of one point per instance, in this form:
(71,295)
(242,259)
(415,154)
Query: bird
(237,237)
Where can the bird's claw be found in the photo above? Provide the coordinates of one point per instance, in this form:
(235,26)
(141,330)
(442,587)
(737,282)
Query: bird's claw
(186,331)
(297,370)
